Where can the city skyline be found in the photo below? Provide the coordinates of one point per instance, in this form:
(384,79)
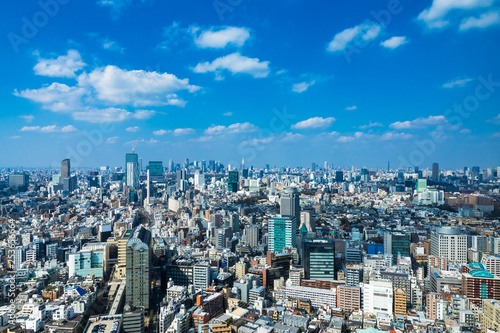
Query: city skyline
(407,83)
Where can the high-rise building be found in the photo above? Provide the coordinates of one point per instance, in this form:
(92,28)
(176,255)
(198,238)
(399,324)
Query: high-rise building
(138,278)
(290,203)
(396,243)
(232,182)
(400,302)
(282,232)
(132,170)
(378,297)
(435,172)
(65,169)
(252,235)
(234,222)
(490,320)
(19,180)
(156,171)
(319,259)
(450,243)
(202,276)
(339,176)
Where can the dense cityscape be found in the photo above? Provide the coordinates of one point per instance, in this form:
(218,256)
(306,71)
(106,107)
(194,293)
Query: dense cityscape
(199,246)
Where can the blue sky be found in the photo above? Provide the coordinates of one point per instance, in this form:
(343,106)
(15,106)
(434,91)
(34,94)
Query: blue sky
(278,82)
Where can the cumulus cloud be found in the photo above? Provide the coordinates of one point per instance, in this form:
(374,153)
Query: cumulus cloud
(111,115)
(351,108)
(302,86)
(160,132)
(483,21)
(439,14)
(137,87)
(465,131)
(183,131)
(370,125)
(394,42)
(365,137)
(231,129)
(149,142)
(359,34)
(220,37)
(49,129)
(132,129)
(62,66)
(227,114)
(292,137)
(112,45)
(112,140)
(56,97)
(235,63)
(420,122)
(316,122)
(457,83)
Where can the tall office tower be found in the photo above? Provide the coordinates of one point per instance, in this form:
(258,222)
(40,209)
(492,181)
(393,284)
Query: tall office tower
(138,278)
(222,235)
(252,235)
(19,180)
(319,259)
(435,172)
(132,170)
(365,177)
(401,175)
(339,176)
(232,182)
(325,166)
(170,165)
(290,203)
(313,166)
(234,222)
(450,243)
(156,171)
(19,257)
(282,232)
(490,320)
(415,169)
(202,276)
(242,163)
(400,302)
(396,243)
(378,297)
(199,179)
(181,179)
(65,169)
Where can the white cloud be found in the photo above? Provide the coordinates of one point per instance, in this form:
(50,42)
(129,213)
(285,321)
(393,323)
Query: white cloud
(150,142)
(111,115)
(28,118)
(457,83)
(235,63)
(231,129)
(112,140)
(227,114)
(302,86)
(495,120)
(220,37)
(112,45)
(137,87)
(345,139)
(57,97)
(370,125)
(394,42)
(496,135)
(62,66)
(359,34)
(316,122)
(395,136)
(49,129)
(465,131)
(483,21)
(351,108)
(419,122)
(15,137)
(183,131)
(292,137)
(160,132)
(437,15)
(133,129)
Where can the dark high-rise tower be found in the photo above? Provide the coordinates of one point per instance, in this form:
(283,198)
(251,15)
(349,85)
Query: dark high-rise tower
(435,172)
(290,203)
(138,278)
(319,259)
(65,169)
